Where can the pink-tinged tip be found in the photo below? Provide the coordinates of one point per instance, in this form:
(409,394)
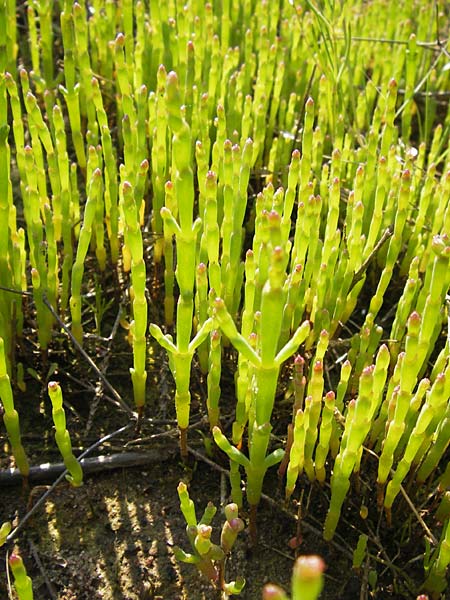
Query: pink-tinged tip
(237,524)
(127,187)
(204,98)
(231,511)
(392,84)
(299,361)
(318,367)
(368,371)
(53,385)
(190,46)
(296,154)
(272,592)
(120,39)
(309,567)
(204,531)
(278,253)
(249,254)
(211,176)
(15,561)
(172,78)
(439,244)
(144,165)
(201,269)
(440,378)
(215,335)
(329,396)
(414,318)
(169,186)
(406,175)
(309,103)
(295,542)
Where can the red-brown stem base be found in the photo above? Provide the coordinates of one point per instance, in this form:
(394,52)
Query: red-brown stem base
(252,528)
(380,495)
(140,413)
(183,444)
(388,514)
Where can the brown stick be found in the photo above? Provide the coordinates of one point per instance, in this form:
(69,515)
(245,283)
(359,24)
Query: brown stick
(48,472)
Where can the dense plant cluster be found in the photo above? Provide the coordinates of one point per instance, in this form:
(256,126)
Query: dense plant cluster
(290,161)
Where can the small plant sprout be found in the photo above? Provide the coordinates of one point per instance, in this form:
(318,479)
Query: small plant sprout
(307,581)
(186,231)
(264,363)
(95,189)
(359,552)
(22,582)
(75,475)
(11,417)
(138,327)
(208,557)
(437,581)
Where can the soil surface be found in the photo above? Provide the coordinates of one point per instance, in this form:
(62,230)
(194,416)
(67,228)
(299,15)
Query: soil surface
(113,538)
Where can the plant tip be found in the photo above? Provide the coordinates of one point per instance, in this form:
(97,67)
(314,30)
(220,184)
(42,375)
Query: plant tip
(309,567)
